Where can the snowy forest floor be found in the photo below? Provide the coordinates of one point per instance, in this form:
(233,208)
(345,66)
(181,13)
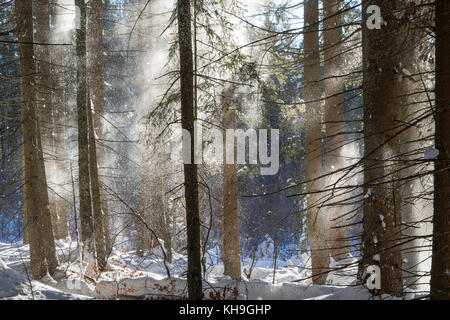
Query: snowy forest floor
(131,277)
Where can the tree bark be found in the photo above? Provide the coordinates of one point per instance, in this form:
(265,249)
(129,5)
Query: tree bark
(440,275)
(382,49)
(46,224)
(61,176)
(45,111)
(335,126)
(43,99)
(36,214)
(231,247)
(416,209)
(96,83)
(143,234)
(317,222)
(86,222)
(190,170)
(97,214)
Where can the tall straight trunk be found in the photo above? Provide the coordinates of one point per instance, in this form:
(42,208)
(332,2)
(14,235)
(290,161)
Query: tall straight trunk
(143,234)
(43,84)
(45,109)
(97,214)
(190,170)
(416,209)
(96,83)
(440,275)
(334,118)
(43,94)
(231,248)
(62,208)
(382,50)
(46,224)
(86,222)
(317,222)
(38,222)
(61,174)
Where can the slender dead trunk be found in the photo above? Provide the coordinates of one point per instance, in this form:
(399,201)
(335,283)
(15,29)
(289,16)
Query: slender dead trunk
(440,270)
(317,221)
(173,216)
(164,214)
(231,248)
(190,170)
(204,217)
(143,234)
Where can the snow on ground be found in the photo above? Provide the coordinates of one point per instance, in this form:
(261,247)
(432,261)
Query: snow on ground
(131,277)
(15,283)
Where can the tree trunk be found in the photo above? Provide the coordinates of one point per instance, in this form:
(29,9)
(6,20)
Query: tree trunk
(204,219)
(86,222)
(317,222)
(416,209)
(46,224)
(334,118)
(440,275)
(164,214)
(96,83)
(144,195)
(97,214)
(173,216)
(61,175)
(190,170)
(143,234)
(231,247)
(43,101)
(382,203)
(36,214)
